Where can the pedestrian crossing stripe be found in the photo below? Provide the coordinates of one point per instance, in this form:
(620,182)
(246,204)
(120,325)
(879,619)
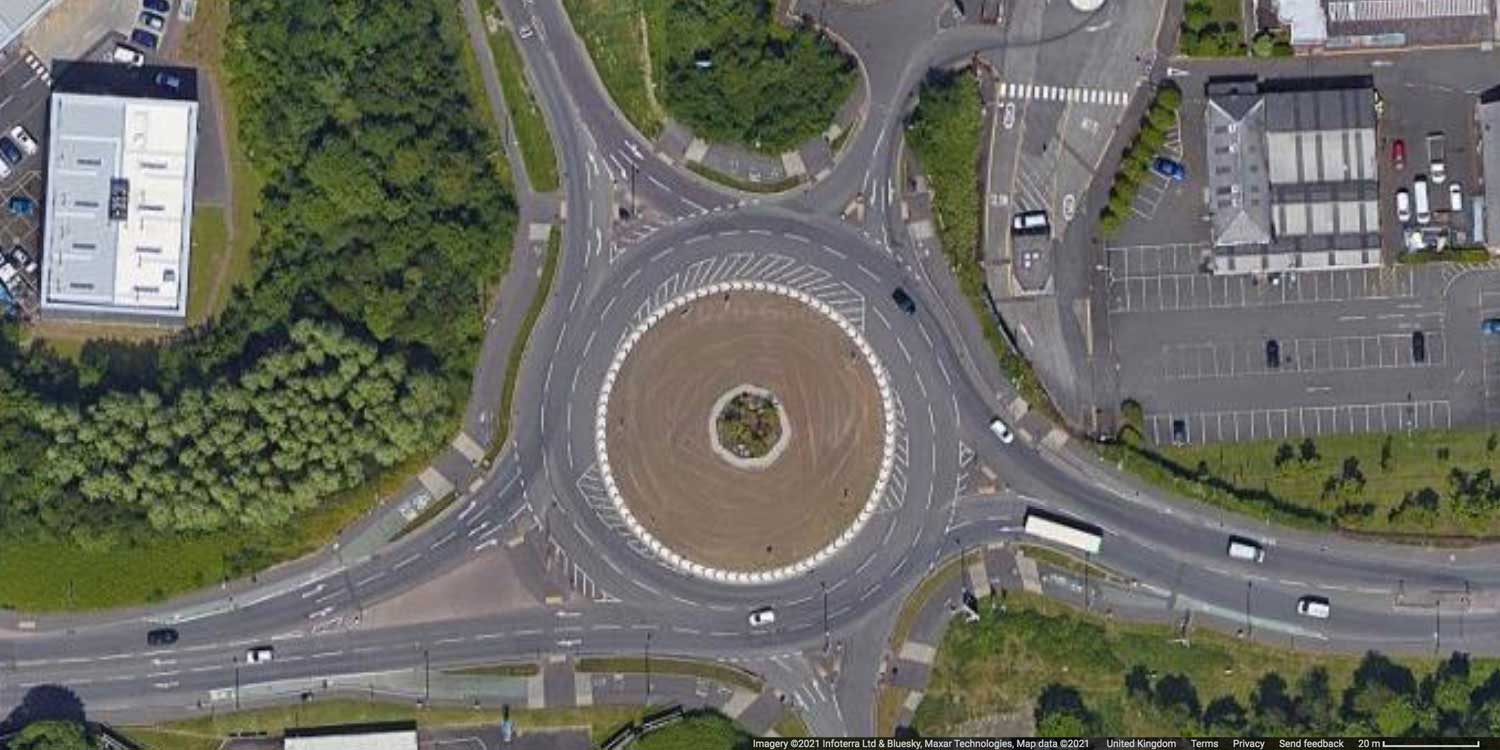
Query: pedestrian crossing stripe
(1037,92)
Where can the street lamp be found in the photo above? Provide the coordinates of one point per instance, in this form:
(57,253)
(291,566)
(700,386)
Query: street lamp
(826,640)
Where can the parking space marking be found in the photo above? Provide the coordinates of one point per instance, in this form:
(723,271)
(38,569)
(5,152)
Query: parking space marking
(1301,421)
(1101,97)
(1201,291)
(1399,10)
(1209,360)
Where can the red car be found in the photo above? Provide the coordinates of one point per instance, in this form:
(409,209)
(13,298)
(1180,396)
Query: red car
(1398,154)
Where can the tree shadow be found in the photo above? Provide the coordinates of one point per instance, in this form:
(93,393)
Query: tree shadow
(44,703)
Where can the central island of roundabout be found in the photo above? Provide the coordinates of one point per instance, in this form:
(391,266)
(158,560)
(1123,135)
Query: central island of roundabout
(745,432)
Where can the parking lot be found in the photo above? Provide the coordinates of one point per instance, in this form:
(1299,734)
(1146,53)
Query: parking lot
(26,83)
(1411,114)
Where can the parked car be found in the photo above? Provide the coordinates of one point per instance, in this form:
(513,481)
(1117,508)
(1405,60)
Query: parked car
(1403,205)
(1490,326)
(23,139)
(152,21)
(1001,431)
(1437,158)
(1169,168)
(169,80)
(1273,354)
(260,655)
(1398,154)
(10,151)
(762,617)
(144,38)
(1418,347)
(160,6)
(1313,606)
(23,260)
(127,56)
(1455,197)
(161,637)
(904,301)
(20,205)
(1424,209)
(4,169)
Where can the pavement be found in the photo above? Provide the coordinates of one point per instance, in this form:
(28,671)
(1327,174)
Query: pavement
(844,241)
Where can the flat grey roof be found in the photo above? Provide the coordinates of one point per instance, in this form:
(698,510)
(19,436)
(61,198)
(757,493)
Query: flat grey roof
(17,15)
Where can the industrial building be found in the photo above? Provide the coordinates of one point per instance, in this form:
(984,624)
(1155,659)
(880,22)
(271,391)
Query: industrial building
(118,206)
(1292,175)
(389,735)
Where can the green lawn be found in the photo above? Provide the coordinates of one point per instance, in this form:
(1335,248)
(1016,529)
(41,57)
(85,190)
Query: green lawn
(704,731)
(1003,663)
(790,725)
(637,665)
(1398,483)
(525,115)
(1212,28)
(614,33)
(204,733)
(496,670)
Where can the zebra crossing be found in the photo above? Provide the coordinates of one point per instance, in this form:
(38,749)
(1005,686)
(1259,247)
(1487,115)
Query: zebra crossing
(1073,95)
(1398,10)
(38,68)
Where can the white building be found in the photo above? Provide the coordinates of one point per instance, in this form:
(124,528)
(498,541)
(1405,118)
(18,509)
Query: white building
(118,208)
(390,735)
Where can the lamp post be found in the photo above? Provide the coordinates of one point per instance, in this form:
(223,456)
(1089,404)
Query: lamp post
(827,644)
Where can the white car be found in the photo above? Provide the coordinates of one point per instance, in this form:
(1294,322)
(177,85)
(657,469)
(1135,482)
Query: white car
(762,617)
(4,169)
(127,56)
(1403,205)
(1455,197)
(527,32)
(1313,606)
(260,655)
(1001,431)
(23,139)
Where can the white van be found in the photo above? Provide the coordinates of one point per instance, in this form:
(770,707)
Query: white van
(1241,548)
(1028,222)
(1313,606)
(1424,209)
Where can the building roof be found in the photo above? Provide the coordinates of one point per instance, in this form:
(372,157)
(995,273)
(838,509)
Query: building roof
(1308,21)
(1237,176)
(387,735)
(16,16)
(1489,143)
(119,207)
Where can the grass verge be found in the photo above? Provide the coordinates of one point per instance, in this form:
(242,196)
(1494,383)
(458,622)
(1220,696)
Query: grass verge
(1463,255)
(708,670)
(614,32)
(523,337)
(496,670)
(701,730)
(209,732)
(888,701)
(790,725)
(1071,564)
(779,186)
(478,93)
(525,115)
(433,510)
(1436,484)
(1002,664)
(944,577)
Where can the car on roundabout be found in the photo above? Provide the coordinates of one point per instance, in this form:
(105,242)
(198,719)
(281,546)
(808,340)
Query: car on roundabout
(762,617)
(260,655)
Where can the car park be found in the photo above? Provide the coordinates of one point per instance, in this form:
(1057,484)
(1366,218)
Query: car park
(1418,347)
(1169,168)
(1398,154)
(1241,548)
(260,655)
(1313,606)
(997,426)
(20,205)
(161,637)
(127,56)
(152,21)
(160,6)
(1273,354)
(762,617)
(23,139)
(10,151)
(1455,197)
(904,301)
(144,38)
(1403,205)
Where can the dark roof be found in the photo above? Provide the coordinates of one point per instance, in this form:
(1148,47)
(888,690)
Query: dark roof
(113,79)
(374,727)
(1329,109)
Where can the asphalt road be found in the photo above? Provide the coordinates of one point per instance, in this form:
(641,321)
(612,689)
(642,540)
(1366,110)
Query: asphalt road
(1387,598)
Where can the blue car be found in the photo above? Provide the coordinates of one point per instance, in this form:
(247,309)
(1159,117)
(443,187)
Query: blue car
(144,38)
(1490,326)
(1170,169)
(20,205)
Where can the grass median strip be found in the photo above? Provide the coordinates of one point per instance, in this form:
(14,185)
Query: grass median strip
(779,186)
(523,337)
(531,126)
(636,665)
(496,670)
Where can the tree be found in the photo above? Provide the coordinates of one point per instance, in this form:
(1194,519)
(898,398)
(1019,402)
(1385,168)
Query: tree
(1264,44)
(52,735)
(1284,453)
(1225,717)
(1196,15)
(1308,451)
(1060,712)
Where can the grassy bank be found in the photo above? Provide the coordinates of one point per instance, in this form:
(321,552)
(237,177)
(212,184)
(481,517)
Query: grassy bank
(720,673)
(496,670)
(614,32)
(701,731)
(477,92)
(526,117)
(207,733)
(1437,483)
(944,134)
(1135,679)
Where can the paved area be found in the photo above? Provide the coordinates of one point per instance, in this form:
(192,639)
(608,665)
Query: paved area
(697,503)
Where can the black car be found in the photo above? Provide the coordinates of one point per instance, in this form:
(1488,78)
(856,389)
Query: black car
(1418,347)
(143,38)
(169,80)
(161,637)
(10,151)
(160,6)
(1273,354)
(904,301)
